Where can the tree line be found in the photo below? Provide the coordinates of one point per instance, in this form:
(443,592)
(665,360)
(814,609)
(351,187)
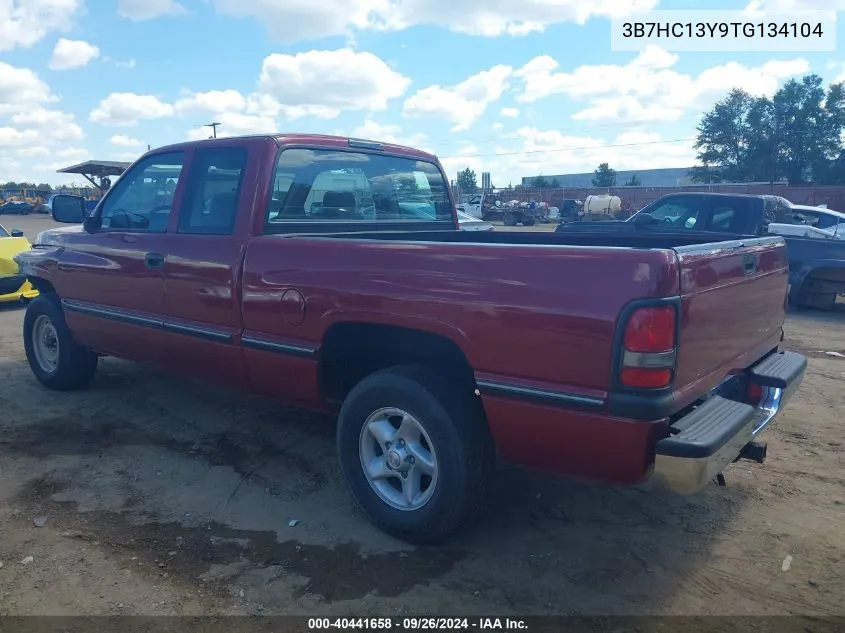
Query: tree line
(796,135)
(604,177)
(18,186)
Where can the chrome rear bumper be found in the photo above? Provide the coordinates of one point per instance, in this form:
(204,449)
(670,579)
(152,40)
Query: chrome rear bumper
(714,434)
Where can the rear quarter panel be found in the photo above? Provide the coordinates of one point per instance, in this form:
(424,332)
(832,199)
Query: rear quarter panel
(536,315)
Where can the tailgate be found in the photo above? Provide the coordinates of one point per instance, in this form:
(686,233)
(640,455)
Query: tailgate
(733,305)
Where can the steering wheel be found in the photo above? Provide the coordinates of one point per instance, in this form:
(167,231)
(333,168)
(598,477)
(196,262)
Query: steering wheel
(143,220)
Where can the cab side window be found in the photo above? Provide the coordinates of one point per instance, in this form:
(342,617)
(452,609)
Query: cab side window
(213,189)
(142,198)
(682,213)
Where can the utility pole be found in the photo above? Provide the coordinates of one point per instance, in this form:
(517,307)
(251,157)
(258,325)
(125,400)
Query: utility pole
(213,126)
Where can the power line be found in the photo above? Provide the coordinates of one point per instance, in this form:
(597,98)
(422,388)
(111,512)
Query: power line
(582,129)
(569,149)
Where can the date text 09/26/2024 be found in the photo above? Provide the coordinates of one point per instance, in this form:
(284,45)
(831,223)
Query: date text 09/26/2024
(417,624)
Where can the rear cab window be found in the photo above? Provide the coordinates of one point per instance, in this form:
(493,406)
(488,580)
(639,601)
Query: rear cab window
(213,191)
(361,190)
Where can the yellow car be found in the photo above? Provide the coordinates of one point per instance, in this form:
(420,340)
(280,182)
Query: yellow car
(13,286)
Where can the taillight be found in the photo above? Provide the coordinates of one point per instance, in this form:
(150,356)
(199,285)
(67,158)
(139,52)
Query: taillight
(648,360)
(755,393)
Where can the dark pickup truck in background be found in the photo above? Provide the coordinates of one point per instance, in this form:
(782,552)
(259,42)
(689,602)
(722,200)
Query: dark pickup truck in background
(816,266)
(329,273)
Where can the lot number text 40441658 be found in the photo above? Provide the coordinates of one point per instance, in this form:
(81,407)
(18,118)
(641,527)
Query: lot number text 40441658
(417,624)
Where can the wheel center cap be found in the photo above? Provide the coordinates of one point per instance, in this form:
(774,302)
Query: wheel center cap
(394,460)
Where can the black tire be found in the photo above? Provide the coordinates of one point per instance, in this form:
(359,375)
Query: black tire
(75,366)
(509,219)
(454,420)
(528,221)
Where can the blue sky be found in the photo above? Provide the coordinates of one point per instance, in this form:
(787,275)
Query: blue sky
(515,88)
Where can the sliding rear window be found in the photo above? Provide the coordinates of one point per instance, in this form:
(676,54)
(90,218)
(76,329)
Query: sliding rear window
(320,186)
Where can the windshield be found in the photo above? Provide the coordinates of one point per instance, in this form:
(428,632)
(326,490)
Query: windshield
(817,219)
(702,213)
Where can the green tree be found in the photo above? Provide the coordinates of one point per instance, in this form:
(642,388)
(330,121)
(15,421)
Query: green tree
(554,184)
(633,181)
(810,122)
(726,138)
(797,135)
(467,181)
(540,182)
(407,185)
(604,177)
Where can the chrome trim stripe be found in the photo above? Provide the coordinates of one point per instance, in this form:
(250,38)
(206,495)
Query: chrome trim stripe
(558,397)
(265,345)
(649,360)
(116,314)
(199,332)
(110,313)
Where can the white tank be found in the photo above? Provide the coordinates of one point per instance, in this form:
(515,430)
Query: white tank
(602,204)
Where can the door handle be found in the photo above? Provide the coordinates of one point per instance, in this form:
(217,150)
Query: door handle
(154,260)
(749,263)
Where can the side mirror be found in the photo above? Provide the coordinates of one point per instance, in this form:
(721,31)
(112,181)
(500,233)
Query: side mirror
(16,233)
(69,209)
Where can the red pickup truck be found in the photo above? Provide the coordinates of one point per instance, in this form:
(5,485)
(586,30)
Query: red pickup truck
(329,273)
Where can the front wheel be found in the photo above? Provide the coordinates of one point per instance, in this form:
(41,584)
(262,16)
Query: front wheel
(58,362)
(415,452)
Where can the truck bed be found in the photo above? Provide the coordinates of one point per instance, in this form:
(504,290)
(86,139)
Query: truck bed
(560,297)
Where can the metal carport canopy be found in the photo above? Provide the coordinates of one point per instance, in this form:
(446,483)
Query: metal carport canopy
(98,169)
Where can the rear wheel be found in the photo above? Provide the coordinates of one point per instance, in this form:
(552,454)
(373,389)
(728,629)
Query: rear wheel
(415,452)
(58,362)
(509,219)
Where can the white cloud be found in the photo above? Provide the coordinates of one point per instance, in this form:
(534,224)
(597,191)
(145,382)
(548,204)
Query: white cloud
(235,124)
(33,151)
(371,130)
(69,54)
(461,104)
(57,125)
(760,8)
(139,10)
(497,126)
(647,88)
(13,137)
(121,140)
(296,20)
(212,101)
(325,83)
(24,23)
(511,113)
(127,108)
(21,89)
(531,151)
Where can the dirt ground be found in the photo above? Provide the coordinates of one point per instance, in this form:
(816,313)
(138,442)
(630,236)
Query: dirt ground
(153,494)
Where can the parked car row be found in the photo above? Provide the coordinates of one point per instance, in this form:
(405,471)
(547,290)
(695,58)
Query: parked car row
(813,235)
(19,207)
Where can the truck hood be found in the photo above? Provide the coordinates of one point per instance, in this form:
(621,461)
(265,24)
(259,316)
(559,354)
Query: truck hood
(56,236)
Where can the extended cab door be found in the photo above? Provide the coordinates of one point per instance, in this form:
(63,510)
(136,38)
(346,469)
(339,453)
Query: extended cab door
(202,253)
(111,283)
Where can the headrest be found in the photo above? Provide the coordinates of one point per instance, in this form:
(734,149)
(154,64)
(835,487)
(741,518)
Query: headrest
(339,199)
